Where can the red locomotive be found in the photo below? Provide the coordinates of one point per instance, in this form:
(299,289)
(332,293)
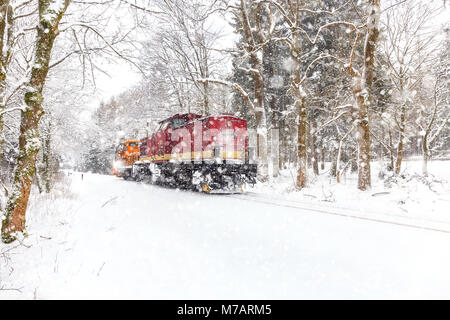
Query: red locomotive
(208,153)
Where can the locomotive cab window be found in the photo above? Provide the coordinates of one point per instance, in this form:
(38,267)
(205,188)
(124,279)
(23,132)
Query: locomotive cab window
(178,122)
(133,144)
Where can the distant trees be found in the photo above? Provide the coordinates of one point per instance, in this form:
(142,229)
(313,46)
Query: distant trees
(112,121)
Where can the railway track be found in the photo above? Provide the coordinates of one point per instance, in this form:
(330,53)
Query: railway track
(376,217)
(385,218)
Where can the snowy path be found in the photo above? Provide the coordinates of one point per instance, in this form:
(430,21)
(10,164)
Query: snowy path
(121,239)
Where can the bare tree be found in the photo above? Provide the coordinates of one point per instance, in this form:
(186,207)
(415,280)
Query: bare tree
(188,33)
(292,15)
(433,121)
(408,50)
(361,90)
(362,73)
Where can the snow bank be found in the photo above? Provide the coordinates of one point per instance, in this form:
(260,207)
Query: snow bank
(410,195)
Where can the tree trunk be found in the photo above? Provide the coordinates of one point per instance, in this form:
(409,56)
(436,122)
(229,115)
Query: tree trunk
(361,91)
(284,144)
(322,165)
(391,154)
(333,168)
(309,154)
(354,162)
(426,155)
(37,178)
(206,99)
(338,161)
(274,137)
(301,142)
(300,105)
(46,174)
(29,143)
(338,166)
(6,32)
(315,154)
(275,151)
(400,147)
(363,137)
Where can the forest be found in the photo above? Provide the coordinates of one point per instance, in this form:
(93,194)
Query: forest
(329,86)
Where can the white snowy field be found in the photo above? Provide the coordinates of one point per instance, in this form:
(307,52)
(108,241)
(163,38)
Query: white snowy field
(103,237)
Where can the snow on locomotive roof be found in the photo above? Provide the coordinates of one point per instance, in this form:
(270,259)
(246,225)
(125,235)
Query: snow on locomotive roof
(198,116)
(222,115)
(181,115)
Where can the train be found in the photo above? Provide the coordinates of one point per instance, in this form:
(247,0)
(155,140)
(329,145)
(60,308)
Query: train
(204,153)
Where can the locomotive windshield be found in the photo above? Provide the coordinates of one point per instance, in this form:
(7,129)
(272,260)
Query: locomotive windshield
(133,144)
(178,122)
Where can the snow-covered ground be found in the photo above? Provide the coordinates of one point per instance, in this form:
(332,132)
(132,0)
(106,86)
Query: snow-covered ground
(103,237)
(410,196)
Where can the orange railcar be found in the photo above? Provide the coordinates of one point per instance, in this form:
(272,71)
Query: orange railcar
(126,154)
